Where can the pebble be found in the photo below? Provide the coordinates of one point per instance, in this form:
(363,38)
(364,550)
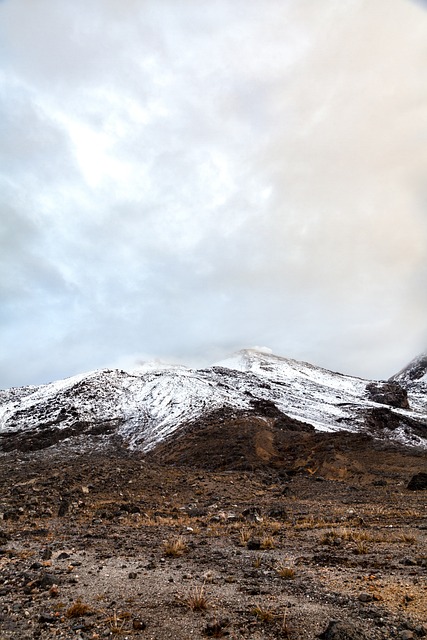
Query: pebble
(365,597)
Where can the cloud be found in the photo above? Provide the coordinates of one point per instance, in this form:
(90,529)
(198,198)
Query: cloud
(181,179)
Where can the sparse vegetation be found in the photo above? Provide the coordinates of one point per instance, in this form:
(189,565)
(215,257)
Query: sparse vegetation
(116,622)
(285,571)
(263,613)
(244,536)
(175,547)
(361,548)
(78,609)
(267,542)
(197,599)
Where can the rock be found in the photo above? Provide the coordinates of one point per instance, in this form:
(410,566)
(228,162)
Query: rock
(406,635)
(365,597)
(254,544)
(214,628)
(47,618)
(63,508)
(278,512)
(418,482)
(4,537)
(138,624)
(390,393)
(252,514)
(47,554)
(132,575)
(45,581)
(338,630)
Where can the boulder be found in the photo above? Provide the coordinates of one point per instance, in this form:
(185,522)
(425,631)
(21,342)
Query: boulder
(418,482)
(390,393)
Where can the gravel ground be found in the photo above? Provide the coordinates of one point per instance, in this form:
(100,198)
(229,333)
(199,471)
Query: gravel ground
(103,545)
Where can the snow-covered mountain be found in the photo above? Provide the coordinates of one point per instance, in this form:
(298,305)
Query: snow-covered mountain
(413,378)
(142,408)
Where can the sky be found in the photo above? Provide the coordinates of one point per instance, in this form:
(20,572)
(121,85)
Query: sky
(180,179)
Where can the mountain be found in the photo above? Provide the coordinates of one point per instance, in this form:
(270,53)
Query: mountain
(413,378)
(156,408)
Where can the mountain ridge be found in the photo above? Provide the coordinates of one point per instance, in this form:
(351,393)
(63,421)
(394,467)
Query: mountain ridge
(143,408)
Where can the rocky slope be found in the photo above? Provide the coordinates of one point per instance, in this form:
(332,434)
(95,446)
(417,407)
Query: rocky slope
(413,378)
(145,408)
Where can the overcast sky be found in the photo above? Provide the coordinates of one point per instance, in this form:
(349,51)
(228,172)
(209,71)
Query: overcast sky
(184,178)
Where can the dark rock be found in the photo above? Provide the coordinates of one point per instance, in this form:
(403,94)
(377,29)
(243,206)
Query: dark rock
(138,624)
(132,575)
(337,630)
(254,544)
(380,419)
(45,581)
(46,618)
(418,482)
(390,393)
(365,597)
(215,628)
(278,512)
(4,537)
(63,508)
(47,554)
(253,514)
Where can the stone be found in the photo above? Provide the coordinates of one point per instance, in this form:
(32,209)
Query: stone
(365,597)
(390,393)
(252,514)
(418,482)
(338,630)
(138,624)
(254,544)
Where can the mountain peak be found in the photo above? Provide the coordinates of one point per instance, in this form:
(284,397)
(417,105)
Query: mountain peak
(415,370)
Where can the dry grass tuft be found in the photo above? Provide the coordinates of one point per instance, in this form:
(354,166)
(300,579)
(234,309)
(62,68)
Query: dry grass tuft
(244,536)
(117,621)
(285,629)
(197,599)
(263,614)
(285,571)
(408,538)
(78,609)
(361,548)
(175,548)
(267,542)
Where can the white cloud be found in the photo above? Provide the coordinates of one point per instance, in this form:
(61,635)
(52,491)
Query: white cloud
(185,178)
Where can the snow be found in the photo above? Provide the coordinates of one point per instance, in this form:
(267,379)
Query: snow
(153,401)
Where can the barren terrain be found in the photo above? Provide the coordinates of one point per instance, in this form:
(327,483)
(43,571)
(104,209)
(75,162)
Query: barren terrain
(324,540)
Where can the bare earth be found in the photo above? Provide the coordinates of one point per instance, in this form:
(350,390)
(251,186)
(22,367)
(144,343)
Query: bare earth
(329,544)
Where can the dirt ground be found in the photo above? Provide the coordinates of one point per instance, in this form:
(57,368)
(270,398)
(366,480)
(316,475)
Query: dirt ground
(329,544)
